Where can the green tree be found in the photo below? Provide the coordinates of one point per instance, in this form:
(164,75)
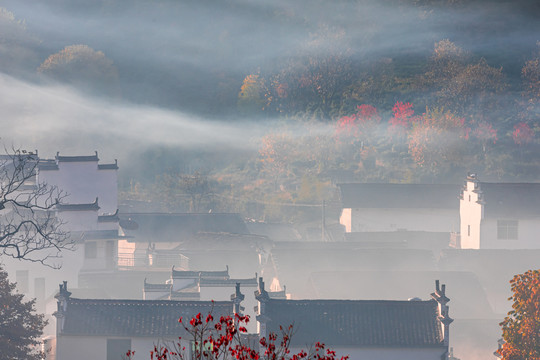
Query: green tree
(20,326)
(521,328)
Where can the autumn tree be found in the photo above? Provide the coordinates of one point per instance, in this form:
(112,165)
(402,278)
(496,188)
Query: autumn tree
(29,229)
(20,327)
(252,97)
(312,81)
(275,154)
(521,328)
(485,133)
(438,139)
(82,66)
(522,134)
(359,126)
(465,87)
(530,75)
(227,338)
(401,121)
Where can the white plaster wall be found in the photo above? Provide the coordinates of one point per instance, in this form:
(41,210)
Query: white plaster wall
(85,220)
(437,220)
(345,219)
(103,261)
(83,182)
(386,353)
(471,214)
(180,283)
(81,348)
(528,235)
(95,347)
(107,181)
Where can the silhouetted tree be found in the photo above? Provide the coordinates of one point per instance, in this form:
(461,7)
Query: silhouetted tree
(20,326)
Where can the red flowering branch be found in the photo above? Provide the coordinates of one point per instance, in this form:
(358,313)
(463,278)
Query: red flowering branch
(226,338)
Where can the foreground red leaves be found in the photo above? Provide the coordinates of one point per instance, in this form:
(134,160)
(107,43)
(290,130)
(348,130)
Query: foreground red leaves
(227,338)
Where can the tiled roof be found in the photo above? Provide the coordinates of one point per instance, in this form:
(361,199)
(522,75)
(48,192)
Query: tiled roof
(202,274)
(388,196)
(79,207)
(179,227)
(469,299)
(156,287)
(109,218)
(511,200)
(77,158)
(108,166)
(144,318)
(362,323)
(228,282)
(99,235)
(47,164)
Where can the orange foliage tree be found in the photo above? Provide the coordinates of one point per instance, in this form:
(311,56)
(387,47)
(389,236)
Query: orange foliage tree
(438,137)
(521,328)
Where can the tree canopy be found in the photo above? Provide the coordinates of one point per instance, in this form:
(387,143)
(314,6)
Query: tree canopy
(521,328)
(20,326)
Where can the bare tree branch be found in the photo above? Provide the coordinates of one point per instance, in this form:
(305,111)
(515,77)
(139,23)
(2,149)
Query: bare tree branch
(29,228)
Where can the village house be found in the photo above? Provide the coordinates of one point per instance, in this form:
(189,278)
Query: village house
(372,207)
(362,329)
(99,329)
(499,215)
(89,214)
(204,286)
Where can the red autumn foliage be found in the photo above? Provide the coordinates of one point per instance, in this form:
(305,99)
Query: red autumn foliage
(523,134)
(358,125)
(521,328)
(485,132)
(402,119)
(226,338)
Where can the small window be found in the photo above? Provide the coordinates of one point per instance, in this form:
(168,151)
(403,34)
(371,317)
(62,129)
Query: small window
(507,229)
(469,198)
(22,280)
(468,230)
(90,250)
(117,348)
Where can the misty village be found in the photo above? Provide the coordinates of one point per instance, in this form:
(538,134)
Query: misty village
(279,180)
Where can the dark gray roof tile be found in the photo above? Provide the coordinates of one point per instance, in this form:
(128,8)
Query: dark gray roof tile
(364,323)
(389,196)
(144,318)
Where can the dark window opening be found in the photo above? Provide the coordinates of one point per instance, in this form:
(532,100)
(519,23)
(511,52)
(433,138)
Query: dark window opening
(507,229)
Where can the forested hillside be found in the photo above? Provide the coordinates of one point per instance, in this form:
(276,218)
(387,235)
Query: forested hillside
(344,90)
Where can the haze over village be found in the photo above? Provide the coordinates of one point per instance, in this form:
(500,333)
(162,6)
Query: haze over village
(198,176)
